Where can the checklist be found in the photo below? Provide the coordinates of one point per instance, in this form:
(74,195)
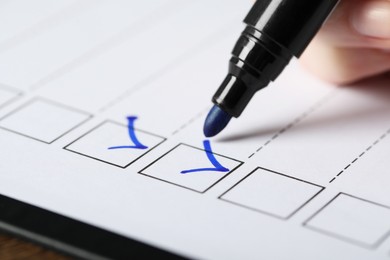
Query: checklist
(102,106)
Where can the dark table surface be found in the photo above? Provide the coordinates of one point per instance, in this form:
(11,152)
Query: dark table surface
(16,248)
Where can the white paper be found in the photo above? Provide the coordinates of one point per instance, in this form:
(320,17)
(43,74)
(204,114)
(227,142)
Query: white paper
(302,174)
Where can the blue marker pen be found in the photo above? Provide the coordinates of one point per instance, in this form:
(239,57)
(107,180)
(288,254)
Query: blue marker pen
(276,31)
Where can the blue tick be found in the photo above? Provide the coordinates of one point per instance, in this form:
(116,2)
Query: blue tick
(133,137)
(217,166)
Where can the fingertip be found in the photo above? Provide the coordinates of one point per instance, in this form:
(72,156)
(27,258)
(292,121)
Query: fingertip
(372,19)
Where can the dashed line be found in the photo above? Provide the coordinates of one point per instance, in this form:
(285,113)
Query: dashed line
(176,62)
(115,40)
(349,165)
(296,121)
(190,121)
(282,131)
(258,150)
(362,154)
(51,21)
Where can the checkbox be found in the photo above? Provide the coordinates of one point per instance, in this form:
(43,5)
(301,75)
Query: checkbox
(7,95)
(272,193)
(96,143)
(171,168)
(43,120)
(353,219)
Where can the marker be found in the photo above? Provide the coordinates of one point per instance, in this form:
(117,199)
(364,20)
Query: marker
(276,31)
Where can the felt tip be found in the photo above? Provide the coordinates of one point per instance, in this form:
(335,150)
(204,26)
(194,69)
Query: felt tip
(216,121)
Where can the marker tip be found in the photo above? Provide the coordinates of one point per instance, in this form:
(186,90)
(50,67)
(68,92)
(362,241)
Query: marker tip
(216,121)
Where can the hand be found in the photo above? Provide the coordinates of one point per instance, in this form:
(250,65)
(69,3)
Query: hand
(353,44)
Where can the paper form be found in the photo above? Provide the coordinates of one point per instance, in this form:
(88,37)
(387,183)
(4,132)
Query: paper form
(102,105)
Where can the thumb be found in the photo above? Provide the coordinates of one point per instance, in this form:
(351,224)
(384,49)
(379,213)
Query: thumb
(353,44)
(359,23)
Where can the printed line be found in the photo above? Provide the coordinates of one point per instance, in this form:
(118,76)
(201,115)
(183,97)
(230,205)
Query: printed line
(296,121)
(376,142)
(349,165)
(215,38)
(190,121)
(52,21)
(368,245)
(119,38)
(15,92)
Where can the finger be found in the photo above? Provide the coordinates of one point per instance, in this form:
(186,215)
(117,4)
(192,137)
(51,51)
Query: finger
(341,65)
(359,23)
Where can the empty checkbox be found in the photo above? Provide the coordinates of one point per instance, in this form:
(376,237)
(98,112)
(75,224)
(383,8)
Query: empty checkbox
(110,142)
(352,219)
(271,193)
(191,167)
(43,120)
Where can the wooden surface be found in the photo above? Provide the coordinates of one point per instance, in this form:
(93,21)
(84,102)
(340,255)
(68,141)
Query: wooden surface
(14,248)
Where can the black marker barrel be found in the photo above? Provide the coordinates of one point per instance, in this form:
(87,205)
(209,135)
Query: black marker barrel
(276,31)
